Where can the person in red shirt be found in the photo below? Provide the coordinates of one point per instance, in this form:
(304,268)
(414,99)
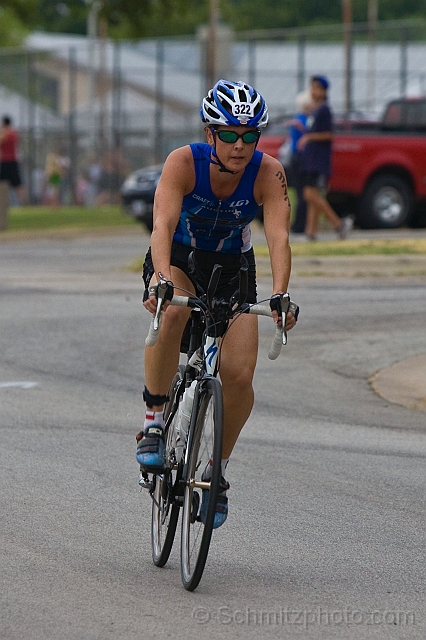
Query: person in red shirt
(9,168)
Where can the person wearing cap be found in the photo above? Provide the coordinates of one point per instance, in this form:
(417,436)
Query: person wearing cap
(315,146)
(207,195)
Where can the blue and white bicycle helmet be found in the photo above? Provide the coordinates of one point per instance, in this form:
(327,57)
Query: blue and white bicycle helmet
(234,103)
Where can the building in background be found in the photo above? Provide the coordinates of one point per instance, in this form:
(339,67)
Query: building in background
(93,97)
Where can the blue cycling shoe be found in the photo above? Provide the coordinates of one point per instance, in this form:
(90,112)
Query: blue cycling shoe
(150,449)
(221,505)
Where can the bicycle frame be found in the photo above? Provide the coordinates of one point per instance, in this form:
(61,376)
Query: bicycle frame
(194,424)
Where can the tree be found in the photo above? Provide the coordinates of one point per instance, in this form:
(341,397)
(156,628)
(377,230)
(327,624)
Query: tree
(155,18)
(12,28)
(268,14)
(150,18)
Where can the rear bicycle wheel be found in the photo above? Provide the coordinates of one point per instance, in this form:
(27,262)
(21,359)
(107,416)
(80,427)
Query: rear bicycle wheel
(165,505)
(204,443)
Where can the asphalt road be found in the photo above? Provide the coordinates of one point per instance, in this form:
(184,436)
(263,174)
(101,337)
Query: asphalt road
(326,532)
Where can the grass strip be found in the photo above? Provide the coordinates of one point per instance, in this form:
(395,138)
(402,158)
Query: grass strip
(354,247)
(45,218)
(339,248)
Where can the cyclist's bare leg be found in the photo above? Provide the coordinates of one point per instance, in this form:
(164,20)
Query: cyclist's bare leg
(162,359)
(237,365)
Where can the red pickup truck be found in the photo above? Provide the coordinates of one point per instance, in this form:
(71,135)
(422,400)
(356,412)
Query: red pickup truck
(379,169)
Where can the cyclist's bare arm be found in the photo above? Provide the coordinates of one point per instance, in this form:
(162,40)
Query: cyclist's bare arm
(177,179)
(271,190)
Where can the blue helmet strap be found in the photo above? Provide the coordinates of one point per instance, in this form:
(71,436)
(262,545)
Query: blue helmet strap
(219,162)
(222,168)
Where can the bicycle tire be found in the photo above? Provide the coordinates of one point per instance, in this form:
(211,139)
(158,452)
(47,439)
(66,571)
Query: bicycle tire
(204,442)
(165,510)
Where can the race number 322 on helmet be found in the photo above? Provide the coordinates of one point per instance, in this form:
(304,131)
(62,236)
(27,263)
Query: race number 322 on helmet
(233,104)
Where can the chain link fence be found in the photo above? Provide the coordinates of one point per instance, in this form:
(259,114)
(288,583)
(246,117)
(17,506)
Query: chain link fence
(108,108)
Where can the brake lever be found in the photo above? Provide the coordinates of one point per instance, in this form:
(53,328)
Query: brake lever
(162,290)
(280,302)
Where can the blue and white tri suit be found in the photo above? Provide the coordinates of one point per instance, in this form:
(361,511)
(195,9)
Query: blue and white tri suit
(211,224)
(215,231)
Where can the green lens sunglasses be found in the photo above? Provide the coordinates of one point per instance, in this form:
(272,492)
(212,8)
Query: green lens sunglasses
(231,136)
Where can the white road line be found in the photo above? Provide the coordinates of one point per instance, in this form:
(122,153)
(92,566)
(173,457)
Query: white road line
(22,385)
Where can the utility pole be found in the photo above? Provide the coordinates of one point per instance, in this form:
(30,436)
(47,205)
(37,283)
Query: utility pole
(212,44)
(102,84)
(92,18)
(347,38)
(98,31)
(372,16)
(92,33)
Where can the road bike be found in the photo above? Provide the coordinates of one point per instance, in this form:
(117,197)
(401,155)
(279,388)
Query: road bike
(194,421)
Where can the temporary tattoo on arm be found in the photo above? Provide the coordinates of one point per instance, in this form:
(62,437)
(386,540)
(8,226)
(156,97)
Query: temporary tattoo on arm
(281,178)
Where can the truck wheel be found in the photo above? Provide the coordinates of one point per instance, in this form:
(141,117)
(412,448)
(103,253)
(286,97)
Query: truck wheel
(386,203)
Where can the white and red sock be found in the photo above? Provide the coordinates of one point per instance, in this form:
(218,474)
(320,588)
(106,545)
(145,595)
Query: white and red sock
(153,417)
(208,470)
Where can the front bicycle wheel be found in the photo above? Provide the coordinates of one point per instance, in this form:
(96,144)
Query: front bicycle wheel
(165,498)
(204,444)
